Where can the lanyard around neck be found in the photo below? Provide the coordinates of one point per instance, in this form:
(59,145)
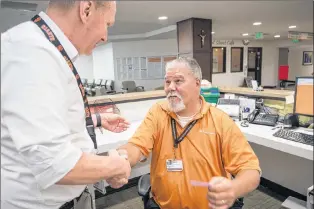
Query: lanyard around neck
(177,139)
(54,40)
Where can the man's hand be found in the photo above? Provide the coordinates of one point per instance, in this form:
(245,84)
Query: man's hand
(120,180)
(117,183)
(112,122)
(221,193)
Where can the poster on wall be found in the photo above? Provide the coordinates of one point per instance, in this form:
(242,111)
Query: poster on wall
(307,58)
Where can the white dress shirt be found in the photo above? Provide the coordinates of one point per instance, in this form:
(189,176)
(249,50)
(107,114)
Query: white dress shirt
(43,131)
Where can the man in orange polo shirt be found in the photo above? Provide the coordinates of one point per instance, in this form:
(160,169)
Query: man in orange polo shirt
(212,149)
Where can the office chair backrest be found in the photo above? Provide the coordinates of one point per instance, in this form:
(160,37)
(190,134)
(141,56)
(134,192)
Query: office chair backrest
(84,81)
(98,82)
(104,83)
(109,85)
(129,86)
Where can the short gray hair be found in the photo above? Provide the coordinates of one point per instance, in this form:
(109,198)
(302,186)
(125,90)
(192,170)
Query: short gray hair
(68,4)
(190,63)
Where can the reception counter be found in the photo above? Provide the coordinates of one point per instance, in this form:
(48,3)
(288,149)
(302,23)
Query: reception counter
(275,94)
(147,95)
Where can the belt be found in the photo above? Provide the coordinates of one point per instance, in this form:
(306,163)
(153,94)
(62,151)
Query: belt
(70,204)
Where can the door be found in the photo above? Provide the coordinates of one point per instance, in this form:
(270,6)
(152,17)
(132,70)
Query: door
(255,63)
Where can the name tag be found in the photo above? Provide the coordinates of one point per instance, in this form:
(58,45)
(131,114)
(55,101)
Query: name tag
(174,165)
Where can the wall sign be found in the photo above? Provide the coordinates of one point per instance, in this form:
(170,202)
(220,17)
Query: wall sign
(307,58)
(300,35)
(223,42)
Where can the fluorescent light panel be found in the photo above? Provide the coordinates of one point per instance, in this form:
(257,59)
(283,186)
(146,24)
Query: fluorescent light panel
(162,18)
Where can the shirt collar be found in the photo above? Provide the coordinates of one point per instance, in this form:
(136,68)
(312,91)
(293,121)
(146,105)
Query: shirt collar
(65,42)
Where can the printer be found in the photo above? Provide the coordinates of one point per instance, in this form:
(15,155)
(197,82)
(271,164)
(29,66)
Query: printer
(229,106)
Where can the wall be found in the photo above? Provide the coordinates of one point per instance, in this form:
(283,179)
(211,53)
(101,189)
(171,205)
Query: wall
(103,62)
(144,48)
(295,62)
(169,47)
(84,66)
(269,65)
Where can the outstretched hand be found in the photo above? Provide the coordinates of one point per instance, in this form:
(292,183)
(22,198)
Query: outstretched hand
(221,194)
(114,122)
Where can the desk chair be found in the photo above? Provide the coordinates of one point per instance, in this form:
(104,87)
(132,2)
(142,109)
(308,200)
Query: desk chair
(95,90)
(143,189)
(107,87)
(130,86)
(84,81)
(88,88)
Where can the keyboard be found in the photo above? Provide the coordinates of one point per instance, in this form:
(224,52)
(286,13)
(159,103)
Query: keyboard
(223,101)
(266,119)
(295,136)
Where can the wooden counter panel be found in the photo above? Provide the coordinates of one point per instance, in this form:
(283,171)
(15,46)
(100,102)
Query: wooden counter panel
(275,93)
(271,93)
(126,96)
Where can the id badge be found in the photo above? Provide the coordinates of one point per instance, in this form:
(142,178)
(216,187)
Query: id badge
(174,165)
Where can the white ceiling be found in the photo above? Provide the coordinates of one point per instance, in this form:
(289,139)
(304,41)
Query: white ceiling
(230,18)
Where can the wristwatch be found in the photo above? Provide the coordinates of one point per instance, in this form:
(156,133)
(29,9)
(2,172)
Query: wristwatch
(98,119)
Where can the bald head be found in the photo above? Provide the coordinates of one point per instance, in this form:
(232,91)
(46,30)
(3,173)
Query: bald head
(69,4)
(87,21)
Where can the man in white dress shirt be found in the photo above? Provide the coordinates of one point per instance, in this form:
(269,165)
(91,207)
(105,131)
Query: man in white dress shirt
(47,155)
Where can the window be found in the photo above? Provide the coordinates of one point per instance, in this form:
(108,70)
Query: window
(141,68)
(154,67)
(236,59)
(219,59)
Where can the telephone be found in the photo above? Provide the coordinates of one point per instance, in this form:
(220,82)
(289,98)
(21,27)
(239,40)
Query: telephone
(257,117)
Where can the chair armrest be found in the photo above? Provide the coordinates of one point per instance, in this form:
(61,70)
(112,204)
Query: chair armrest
(111,92)
(140,87)
(143,186)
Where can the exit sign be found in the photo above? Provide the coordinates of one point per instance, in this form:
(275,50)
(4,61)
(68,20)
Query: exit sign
(259,35)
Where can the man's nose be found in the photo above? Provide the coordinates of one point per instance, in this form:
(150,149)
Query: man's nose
(172,86)
(104,38)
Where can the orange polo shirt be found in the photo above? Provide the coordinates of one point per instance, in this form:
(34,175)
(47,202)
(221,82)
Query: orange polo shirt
(213,137)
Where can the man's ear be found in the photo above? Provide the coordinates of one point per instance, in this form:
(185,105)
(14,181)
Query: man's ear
(198,82)
(86,8)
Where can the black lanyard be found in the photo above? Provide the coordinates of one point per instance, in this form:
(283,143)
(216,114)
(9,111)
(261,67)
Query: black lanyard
(184,133)
(54,40)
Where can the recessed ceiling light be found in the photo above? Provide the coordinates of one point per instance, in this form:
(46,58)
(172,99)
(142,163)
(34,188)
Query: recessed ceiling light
(245,34)
(292,26)
(162,18)
(257,23)
(213,32)
(277,36)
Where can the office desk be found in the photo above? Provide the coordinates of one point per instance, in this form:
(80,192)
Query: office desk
(284,162)
(263,135)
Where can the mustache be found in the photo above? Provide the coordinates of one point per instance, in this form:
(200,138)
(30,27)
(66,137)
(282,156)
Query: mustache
(174,93)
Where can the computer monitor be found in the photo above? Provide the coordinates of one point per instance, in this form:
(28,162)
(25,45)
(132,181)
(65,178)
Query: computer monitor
(303,98)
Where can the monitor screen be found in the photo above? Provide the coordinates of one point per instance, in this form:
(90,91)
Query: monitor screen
(303,99)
